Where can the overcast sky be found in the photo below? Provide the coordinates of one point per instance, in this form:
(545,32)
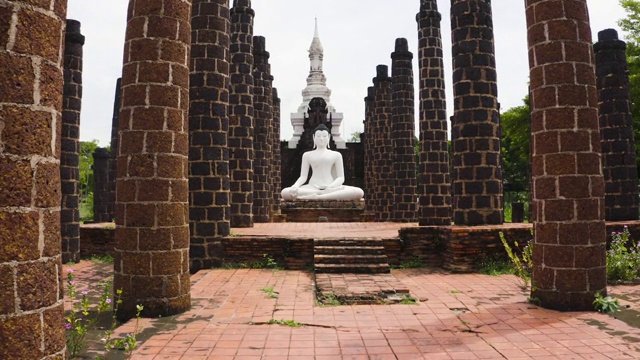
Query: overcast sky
(356,35)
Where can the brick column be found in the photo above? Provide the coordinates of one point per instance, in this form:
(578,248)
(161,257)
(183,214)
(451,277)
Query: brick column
(404,163)
(434,187)
(383,153)
(241,114)
(369,147)
(101,185)
(475,130)
(568,187)
(263,123)
(70,142)
(276,168)
(208,128)
(152,207)
(113,160)
(31,80)
(616,127)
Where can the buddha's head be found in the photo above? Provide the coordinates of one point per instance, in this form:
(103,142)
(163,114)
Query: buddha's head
(321,136)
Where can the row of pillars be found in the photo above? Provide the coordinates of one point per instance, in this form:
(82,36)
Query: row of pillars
(154,149)
(472,194)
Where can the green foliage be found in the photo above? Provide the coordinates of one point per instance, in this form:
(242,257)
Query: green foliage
(496,267)
(355,137)
(407,300)
(631,27)
(83,318)
(85,180)
(102,258)
(328,300)
(516,131)
(522,266)
(606,304)
(271,294)
(623,258)
(267,262)
(290,323)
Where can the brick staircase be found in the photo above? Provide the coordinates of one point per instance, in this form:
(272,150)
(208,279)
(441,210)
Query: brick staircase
(360,256)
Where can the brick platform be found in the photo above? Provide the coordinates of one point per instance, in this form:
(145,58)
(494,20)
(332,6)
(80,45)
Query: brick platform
(354,289)
(327,211)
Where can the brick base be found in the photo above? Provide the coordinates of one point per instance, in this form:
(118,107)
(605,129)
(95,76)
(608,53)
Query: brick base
(330,211)
(454,248)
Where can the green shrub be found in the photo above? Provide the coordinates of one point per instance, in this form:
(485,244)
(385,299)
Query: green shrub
(623,258)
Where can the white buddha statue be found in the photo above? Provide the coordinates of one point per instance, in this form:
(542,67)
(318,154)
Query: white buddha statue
(327,178)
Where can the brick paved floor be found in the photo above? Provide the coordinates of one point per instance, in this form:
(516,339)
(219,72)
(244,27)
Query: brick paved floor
(325,230)
(457,317)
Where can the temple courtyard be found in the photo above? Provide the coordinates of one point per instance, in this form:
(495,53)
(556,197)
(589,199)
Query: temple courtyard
(275,314)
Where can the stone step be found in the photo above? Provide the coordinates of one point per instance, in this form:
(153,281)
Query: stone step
(347,242)
(349,250)
(350,259)
(353,268)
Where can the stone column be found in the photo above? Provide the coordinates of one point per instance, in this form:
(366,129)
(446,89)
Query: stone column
(263,123)
(70,142)
(113,160)
(568,186)
(101,185)
(475,130)
(404,163)
(383,153)
(241,114)
(277,153)
(369,147)
(152,208)
(208,128)
(31,80)
(616,128)
(434,187)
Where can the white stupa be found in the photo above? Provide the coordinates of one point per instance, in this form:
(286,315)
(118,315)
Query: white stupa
(316,87)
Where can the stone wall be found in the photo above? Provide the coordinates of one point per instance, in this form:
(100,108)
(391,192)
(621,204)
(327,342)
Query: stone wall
(101,185)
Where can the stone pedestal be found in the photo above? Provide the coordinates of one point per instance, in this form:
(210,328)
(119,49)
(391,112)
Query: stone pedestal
(323,210)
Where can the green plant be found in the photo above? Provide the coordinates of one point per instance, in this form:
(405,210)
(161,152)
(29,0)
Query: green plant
(414,262)
(407,299)
(102,258)
(496,267)
(267,262)
(605,304)
(80,320)
(328,300)
(623,259)
(522,266)
(270,293)
(83,317)
(290,323)
(455,291)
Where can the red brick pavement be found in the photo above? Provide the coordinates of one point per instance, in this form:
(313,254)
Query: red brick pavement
(325,230)
(467,316)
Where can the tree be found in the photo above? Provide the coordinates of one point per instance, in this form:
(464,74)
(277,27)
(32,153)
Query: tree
(631,26)
(86,166)
(516,131)
(355,137)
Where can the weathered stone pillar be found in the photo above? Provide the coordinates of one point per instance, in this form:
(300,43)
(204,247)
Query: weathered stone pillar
(276,166)
(152,208)
(101,185)
(383,153)
(616,128)
(263,123)
(113,160)
(241,154)
(434,187)
(568,187)
(31,78)
(475,130)
(403,118)
(70,142)
(369,146)
(208,128)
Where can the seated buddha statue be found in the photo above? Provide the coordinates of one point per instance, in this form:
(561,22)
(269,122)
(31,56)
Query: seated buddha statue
(327,176)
